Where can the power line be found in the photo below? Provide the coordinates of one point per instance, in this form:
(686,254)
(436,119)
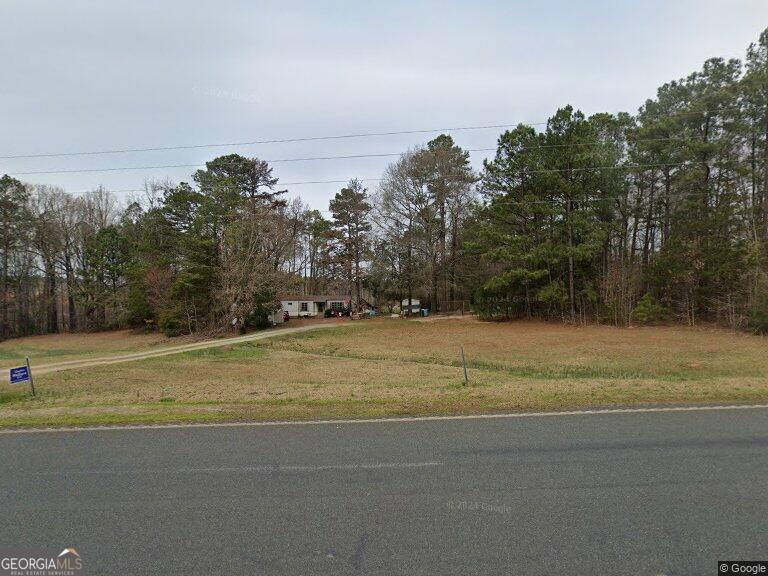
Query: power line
(283,160)
(541,171)
(279,160)
(256,142)
(307,138)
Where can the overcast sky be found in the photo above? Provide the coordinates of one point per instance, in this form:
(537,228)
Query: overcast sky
(95,74)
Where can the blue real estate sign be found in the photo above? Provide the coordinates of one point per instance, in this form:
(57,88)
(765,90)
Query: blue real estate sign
(19,375)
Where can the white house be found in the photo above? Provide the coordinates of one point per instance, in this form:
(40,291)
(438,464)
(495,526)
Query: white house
(299,306)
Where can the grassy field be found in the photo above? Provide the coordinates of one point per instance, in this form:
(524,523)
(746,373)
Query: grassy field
(55,348)
(391,367)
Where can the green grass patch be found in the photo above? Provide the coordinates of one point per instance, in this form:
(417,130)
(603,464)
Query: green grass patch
(544,371)
(13,397)
(244,351)
(115,419)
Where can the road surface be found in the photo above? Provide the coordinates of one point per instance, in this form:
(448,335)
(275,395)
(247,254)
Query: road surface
(635,493)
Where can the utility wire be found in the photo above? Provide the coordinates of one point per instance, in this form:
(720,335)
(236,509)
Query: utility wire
(256,142)
(279,160)
(542,171)
(342,157)
(306,139)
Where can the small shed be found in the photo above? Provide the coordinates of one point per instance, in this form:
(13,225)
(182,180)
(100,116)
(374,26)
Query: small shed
(415,306)
(301,306)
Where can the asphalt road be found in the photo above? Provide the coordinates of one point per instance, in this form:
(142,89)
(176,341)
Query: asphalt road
(642,494)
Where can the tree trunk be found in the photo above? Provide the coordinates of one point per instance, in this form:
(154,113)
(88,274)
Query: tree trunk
(4,328)
(358,288)
(53,308)
(443,251)
(70,279)
(454,249)
(667,200)
(764,198)
(571,287)
(648,228)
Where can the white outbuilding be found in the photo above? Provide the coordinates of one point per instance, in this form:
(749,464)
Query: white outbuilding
(308,305)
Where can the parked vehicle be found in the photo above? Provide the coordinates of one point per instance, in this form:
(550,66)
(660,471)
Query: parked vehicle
(333,313)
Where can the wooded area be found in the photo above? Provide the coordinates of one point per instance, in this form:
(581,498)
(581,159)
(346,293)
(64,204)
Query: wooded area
(660,216)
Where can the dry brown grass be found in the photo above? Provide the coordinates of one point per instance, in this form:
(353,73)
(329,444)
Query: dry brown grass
(62,347)
(53,349)
(388,367)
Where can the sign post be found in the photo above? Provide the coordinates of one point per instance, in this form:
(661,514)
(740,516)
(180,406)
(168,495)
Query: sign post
(464,363)
(22,374)
(31,380)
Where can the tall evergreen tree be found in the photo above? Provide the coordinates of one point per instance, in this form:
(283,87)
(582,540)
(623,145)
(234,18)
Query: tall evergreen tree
(350,209)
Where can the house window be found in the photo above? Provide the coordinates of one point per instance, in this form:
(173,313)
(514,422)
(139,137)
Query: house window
(304,307)
(339,306)
(290,303)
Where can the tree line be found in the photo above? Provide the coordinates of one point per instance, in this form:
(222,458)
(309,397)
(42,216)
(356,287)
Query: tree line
(666,210)
(618,218)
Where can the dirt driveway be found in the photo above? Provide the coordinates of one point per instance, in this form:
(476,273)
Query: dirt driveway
(166,351)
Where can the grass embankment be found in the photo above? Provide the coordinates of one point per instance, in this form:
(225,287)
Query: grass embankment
(395,367)
(54,348)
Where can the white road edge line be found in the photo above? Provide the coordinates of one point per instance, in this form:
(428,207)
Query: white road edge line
(606,411)
(265,469)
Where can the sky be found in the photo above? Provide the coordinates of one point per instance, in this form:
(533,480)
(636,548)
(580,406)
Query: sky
(90,75)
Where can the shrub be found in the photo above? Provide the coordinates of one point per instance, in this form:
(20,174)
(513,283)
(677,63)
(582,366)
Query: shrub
(139,313)
(554,294)
(758,319)
(258,319)
(648,311)
(264,305)
(170,322)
